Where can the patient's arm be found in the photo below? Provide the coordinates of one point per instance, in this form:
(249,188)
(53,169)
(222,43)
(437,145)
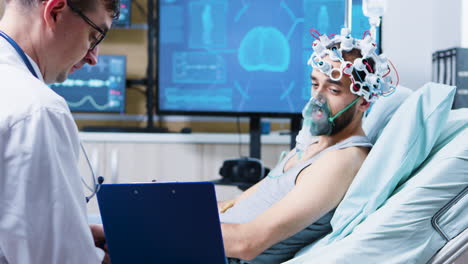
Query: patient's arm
(225,205)
(319,188)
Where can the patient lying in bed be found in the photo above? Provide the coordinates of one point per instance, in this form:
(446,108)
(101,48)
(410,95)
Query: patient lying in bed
(293,205)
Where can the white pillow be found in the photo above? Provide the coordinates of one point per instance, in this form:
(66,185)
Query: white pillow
(401,230)
(382,111)
(404,144)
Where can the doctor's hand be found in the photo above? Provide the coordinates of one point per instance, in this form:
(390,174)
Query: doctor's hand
(100,241)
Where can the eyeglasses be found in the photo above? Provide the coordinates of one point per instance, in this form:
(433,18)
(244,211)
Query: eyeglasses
(102,33)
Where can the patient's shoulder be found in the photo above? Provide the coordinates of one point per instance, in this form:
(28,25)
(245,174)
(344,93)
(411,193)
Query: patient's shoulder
(351,157)
(339,163)
(352,153)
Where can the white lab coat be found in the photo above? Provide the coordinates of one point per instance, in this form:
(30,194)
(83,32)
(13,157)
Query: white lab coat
(42,205)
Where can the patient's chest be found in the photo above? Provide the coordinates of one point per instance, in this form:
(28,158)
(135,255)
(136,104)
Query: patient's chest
(273,188)
(294,161)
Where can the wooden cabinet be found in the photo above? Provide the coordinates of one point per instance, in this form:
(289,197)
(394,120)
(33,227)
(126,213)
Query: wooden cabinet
(124,158)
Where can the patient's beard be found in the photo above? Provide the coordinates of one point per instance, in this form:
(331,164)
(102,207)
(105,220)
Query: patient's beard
(342,121)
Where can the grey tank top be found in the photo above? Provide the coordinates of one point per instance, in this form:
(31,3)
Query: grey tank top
(272,189)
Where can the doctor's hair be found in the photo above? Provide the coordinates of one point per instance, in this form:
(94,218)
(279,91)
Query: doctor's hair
(111,6)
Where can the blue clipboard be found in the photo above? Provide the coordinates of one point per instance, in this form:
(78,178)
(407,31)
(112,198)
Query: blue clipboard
(161,223)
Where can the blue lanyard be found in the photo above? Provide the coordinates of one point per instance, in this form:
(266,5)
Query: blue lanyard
(20,52)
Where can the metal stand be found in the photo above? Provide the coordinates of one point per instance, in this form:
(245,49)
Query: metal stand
(295,128)
(151,73)
(255,137)
(149,82)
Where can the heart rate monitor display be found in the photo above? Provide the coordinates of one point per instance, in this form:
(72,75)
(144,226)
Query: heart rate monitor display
(242,57)
(99,88)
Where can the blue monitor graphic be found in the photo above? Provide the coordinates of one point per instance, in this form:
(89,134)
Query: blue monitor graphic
(99,88)
(226,57)
(125,14)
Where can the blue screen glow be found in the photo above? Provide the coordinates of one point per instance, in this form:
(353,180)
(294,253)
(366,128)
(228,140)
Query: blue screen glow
(125,12)
(242,56)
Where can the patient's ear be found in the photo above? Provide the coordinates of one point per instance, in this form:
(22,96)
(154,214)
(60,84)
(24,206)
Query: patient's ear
(363,105)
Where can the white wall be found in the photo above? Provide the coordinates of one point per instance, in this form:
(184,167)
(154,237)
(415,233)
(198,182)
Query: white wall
(413,29)
(464,27)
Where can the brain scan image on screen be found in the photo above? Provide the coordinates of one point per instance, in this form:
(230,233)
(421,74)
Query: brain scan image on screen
(241,56)
(256,49)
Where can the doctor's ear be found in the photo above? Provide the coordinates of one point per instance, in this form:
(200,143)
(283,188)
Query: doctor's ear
(53,10)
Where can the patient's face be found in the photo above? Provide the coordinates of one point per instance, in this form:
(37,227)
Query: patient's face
(337,93)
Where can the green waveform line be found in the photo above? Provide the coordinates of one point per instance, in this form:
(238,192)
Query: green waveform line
(91,100)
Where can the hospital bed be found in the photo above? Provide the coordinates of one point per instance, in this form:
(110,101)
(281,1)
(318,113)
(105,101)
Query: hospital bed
(409,201)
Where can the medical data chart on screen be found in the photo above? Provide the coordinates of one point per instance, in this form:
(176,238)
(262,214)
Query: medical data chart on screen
(99,88)
(243,56)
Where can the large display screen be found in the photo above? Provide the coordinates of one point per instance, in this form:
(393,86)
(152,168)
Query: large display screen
(99,88)
(242,57)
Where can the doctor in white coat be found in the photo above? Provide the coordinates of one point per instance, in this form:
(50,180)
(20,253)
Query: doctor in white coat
(42,203)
